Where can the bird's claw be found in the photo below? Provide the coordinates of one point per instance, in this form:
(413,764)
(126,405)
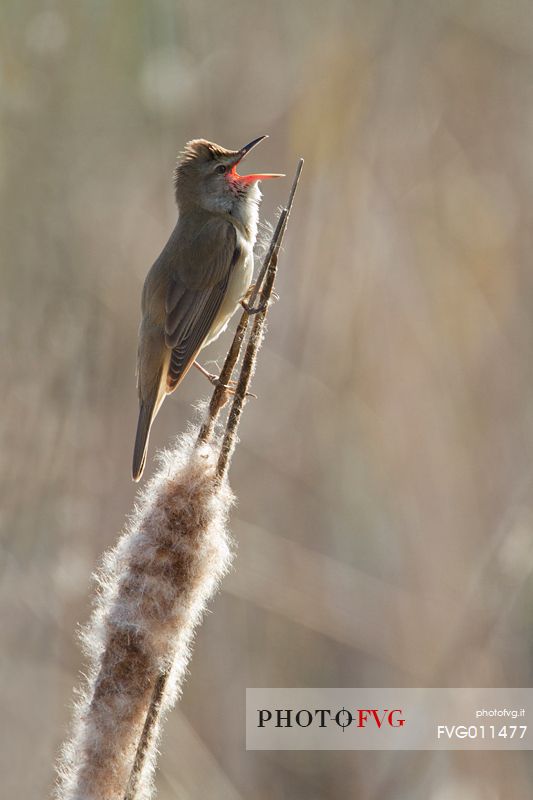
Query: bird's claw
(261,307)
(251,310)
(230,387)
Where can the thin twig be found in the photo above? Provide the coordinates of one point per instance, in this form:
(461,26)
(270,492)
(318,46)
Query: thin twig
(146,735)
(220,395)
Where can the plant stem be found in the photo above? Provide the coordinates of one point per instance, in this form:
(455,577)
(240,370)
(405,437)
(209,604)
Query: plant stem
(264,284)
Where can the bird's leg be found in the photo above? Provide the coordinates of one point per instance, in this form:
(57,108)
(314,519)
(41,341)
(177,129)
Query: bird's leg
(211,377)
(215,380)
(245,302)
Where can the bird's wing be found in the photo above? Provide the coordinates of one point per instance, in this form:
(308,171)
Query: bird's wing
(196,290)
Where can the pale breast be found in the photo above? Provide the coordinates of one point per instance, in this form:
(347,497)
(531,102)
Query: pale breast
(238,285)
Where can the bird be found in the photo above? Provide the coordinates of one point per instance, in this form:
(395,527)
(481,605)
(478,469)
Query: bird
(201,276)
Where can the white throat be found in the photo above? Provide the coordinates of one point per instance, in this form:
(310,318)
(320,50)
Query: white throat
(245,209)
(241,205)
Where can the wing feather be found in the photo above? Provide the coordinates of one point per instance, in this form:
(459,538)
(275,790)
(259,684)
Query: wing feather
(196,292)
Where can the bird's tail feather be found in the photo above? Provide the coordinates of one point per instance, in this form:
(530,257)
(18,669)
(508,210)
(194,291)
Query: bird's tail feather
(146,416)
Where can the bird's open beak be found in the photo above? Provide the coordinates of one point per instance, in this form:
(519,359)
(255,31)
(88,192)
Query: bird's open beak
(257,176)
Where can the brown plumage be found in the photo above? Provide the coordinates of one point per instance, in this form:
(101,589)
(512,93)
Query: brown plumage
(202,274)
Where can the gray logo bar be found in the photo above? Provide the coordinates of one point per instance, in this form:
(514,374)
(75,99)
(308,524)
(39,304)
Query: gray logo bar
(389,719)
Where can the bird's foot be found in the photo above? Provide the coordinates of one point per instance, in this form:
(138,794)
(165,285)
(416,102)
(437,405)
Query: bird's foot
(230,387)
(251,311)
(245,302)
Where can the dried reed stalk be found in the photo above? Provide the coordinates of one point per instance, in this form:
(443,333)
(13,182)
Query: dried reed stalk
(154,587)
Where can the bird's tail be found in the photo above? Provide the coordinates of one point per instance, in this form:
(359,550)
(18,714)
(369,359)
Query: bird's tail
(147,413)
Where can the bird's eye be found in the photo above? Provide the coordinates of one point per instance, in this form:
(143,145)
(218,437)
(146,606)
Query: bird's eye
(221,169)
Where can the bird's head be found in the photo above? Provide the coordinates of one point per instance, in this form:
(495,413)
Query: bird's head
(206,175)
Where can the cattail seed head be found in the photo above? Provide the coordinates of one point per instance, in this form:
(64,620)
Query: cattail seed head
(153,589)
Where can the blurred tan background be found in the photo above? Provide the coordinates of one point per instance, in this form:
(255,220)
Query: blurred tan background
(385,474)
